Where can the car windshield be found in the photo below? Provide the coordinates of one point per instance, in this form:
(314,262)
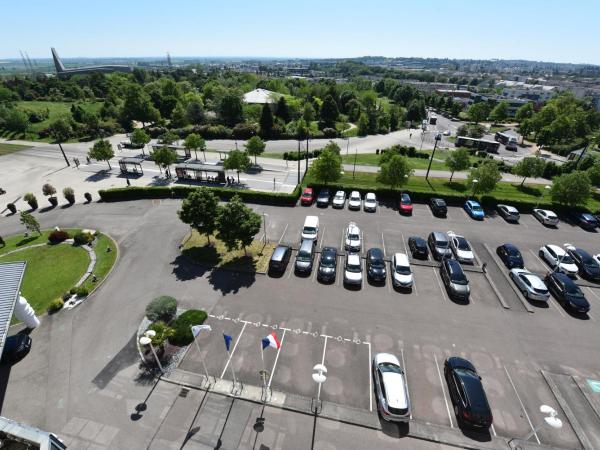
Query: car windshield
(377,263)
(462,244)
(406,200)
(353,267)
(441,244)
(457,276)
(339,196)
(327,261)
(403,270)
(303,256)
(354,197)
(353,236)
(310,230)
(512,251)
(306,194)
(566,259)
(389,367)
(476,208)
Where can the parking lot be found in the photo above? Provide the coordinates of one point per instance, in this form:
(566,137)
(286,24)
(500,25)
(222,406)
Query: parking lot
(342,328)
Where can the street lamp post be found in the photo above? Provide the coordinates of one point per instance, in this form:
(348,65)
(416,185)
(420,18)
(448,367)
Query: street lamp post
(551,420)
(145,340)
(319,377)
(354,169)
(265,215)
(347,145)
(438,137)
(473,187)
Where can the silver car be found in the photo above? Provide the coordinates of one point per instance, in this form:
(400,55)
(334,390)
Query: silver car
(391,389)
(339,200)
(531,286)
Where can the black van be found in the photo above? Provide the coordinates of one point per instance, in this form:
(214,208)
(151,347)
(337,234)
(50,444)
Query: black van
(280,258)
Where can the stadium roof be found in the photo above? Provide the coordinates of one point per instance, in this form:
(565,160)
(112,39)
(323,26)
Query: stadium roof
(261,96)
(11,276)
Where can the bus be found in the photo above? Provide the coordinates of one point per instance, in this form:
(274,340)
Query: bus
(478,144)
(509,140)
(433,119)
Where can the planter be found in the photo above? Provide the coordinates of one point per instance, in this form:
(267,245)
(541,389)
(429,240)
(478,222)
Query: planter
(53,201)
(33,204)
(88,197)
(70,199)
(12,208)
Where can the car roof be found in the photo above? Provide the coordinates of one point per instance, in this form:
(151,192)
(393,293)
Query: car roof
(454,266)
(581,252)
(418,240)
(535,281)
(352,226)
(439,235)
(324,191)
(547,212)
(394,390)
(509,208)
(353,258)
(308,189)
(386,357)
(306,245)
(375,253)
(279,251)
(563,278)
(355,193)
(439,201)
(401,259)
(456,363)
(340,193)
(329,250)
(311,220)
(510,246)
(473,203)
(556,248)
(370,195)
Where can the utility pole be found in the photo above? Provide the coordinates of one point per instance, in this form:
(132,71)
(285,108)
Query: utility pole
(438,137)
(64,156)
(354,169)
(298,161)
(581,155)
(307,138)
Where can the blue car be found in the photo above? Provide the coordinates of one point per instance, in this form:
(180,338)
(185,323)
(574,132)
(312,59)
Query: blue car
(474,210)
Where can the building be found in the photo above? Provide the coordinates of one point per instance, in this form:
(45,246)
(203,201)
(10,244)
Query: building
(538,93)
(15,435)
(63,72)
(454,93)
(261,96)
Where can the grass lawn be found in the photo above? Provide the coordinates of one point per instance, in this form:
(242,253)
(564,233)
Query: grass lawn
(104,260)
(5,149)
(195,246)
(371,159)
(497,128)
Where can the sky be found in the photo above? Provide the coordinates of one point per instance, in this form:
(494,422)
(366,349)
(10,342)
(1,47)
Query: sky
(540,30)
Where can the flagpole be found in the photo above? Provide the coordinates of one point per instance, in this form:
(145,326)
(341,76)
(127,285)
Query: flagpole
(231,366)
(202,360)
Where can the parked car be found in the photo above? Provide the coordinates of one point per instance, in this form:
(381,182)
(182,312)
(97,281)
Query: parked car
(16,347)
(327,264)
(439,244)
(376,265)
(354,201)
(339,200)
(461,248)
(455,280)
(323,198)
(588,267)
(418,247)
(556,256)
(474,210)
(567,292)
(352,239)
(405,206)
(467,394)
(353,269)
(307,197)
(305,256)
(546,217)
(402,276)
(510,256)
(280,259)
(370,203)
(438,207)
(584,220)
(310,230)
(391,388)
(510,213)
(531,286)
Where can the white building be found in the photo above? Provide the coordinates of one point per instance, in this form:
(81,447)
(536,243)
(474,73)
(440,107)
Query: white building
(538,93)
(261,96)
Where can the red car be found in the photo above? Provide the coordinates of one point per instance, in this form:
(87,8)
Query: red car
(405,206)
(307,197)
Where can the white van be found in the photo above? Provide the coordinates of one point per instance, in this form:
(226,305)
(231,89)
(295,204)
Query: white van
(310,230)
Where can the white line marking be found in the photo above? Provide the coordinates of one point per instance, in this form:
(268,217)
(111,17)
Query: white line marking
(322,238)
(283,234)
(370,379)
(305,332)
(557,305)
(404,244)
(383,242)
(493,430)
(414,285)
(544,265)
(440,284)
(443,390)
(522,406)
(322,362)
(591,291)
(591,317)
(342,241)
(276,358)
(233,351)
(406,379)
(291,263)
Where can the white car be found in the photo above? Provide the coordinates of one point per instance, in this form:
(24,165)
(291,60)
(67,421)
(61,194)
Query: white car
(391,389)
(370,203)
(401,272)
(352,238)
(353,269)
(597,258)
(461,248)
(531,286)
(447,133)
(339,200)
(546,216)
(354,201)
(556,256)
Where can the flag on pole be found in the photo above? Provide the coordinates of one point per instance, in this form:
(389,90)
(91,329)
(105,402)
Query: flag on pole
(196,329)
(228,340)
(271,341)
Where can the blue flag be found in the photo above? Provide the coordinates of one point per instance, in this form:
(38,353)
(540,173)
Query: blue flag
(228,340)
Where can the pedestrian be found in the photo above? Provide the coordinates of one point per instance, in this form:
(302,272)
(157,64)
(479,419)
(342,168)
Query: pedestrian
(484,266)
(128,182)
(410,136)
(88,159)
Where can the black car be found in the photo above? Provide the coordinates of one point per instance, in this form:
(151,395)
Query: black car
(323,198)
(376,265)
(588,266)
(467,394)
(16,348)
(584,220)
(327,264)
(438,207)
(280,258)
(418,247)
(510,256)
(566,291)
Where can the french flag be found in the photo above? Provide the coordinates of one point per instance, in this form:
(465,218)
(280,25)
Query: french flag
(271,341)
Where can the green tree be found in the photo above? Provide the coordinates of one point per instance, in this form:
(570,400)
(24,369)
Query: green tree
(281,110)
(571,189)
(195,142)
(16,121)
(478,112)
(168,138)
(195,112)
(363,125)
(266,120)
(138,106)
(60,130)
(164,157)
(487,175)
(524,112)
(231,109)
(179,117)
(329,112)
(255,146)
(200,210)
(102,151)
(525,127)
(458,160)
(416,111)
(328,166)
(500,112)
(593,173)
(139,137)
(529,167)
(395,171)
(309,113)
(29,222)
(237,224)
(237,160)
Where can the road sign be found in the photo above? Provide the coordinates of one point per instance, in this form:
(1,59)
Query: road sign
(594,385)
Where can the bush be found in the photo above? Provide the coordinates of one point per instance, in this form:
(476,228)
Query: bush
(55,305)
(163,332)
(58,236)
(244,131)
(88,197)
(31,199)
(82,291)
(12,208)
(162,308)
(81,238)
(182,326)
(66,296)
(69,195)
(330,133)
(48,189)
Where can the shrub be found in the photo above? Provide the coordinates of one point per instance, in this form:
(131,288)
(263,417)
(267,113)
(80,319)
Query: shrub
(58,236)
(82,291)
(66,296)
(244,131)
(73,291)
(55,305)
(81,238)
(2,243)
(162,308)
(31,199)
(88,197)
(69,195)
(48,189)
(330,133)
(182,326)
(163,332)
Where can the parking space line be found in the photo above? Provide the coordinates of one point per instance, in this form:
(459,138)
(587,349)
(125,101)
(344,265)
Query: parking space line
(277,357)
(538,258)
(283,234)
(383,243)
(233,350)
(591,291)
(414,285)
(322,238)
(322,363)
(494,430)
(291,269)
(342,241)
(440,284)
(404,244)
(406,379)
(443,390)
(552,301)
(521,403)
(370,379)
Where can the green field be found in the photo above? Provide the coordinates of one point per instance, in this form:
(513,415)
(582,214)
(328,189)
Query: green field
(371,159)
(5,149)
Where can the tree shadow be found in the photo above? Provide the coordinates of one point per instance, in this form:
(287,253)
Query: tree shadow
(99,176)
(26,241)
(206,254)
(123,359)
(47,208)
(529,190)
(456,186)
(185,270)
(243,263)
(229,281)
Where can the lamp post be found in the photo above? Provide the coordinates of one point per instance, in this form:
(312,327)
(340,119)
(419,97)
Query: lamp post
(551,420)
(473,187)
(347,145)
(319,377)
(354,169)
(265,215)
(438,137)
(145,340)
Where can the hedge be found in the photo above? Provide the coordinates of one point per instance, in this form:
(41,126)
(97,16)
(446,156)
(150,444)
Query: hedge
(182,333)
(152,192)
